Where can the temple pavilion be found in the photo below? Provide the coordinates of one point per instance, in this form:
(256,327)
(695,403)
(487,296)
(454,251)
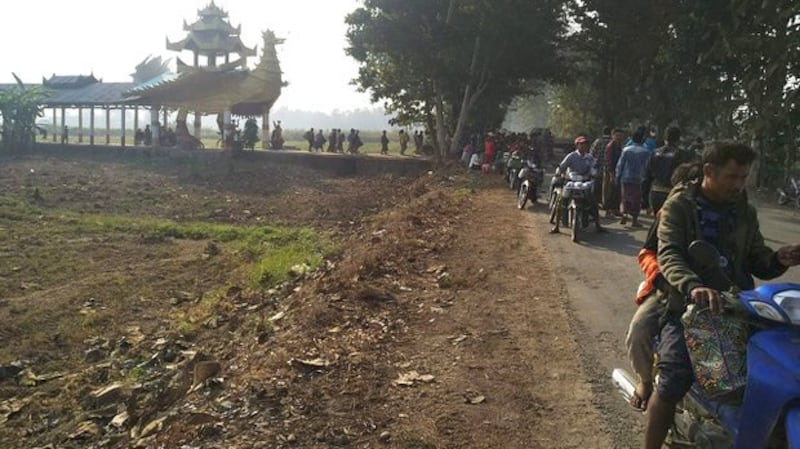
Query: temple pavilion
(223,86)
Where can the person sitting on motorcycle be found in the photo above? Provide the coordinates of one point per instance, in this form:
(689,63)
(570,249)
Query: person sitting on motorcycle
(645,324)
(714,210)
(577,164)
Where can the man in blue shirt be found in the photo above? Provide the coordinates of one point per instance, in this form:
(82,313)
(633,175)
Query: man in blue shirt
(630,174)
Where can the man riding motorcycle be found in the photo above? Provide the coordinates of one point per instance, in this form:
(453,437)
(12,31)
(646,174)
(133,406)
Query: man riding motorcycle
(714,210)
(578,164)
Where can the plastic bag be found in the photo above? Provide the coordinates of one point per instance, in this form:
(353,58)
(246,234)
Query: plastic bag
(717,346)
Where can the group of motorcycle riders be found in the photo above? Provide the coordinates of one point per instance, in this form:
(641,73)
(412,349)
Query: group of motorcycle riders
(692,197)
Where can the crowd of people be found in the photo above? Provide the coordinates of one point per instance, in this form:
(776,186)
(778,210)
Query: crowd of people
(491,152)
(632,172)
(336,140)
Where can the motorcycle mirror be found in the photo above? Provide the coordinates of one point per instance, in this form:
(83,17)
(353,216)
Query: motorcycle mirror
(704,254)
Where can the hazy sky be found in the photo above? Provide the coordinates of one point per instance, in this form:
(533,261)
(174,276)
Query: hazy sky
(109,37)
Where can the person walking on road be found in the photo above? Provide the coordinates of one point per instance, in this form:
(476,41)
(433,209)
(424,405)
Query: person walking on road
(598,152)
(611,190)
(661,166)
(384,143)
(319,141)
(630,173)
(309,136)
(403,138)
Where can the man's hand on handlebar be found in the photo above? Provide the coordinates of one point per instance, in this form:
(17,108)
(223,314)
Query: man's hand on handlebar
(789,256)
(704,296)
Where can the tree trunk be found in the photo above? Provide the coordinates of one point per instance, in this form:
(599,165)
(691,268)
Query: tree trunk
(441,126)
(790,157)
(468,100)
(430,122)
(441,151)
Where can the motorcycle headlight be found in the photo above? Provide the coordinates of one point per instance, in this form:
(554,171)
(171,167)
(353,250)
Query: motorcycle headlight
(789,301)
(765,310)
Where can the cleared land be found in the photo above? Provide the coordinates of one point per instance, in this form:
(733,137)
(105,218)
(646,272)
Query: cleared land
(159,304)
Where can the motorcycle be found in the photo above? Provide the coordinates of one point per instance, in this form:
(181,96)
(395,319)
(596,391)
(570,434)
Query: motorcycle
(791,193)
(530,177)
(581,206)
(768,413)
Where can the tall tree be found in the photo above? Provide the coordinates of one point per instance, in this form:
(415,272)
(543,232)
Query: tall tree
(453,58)
(642,61)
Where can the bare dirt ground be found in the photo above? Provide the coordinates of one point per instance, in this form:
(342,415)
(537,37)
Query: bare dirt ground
(434,321)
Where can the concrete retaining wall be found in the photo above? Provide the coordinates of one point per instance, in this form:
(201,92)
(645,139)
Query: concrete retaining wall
(334,164)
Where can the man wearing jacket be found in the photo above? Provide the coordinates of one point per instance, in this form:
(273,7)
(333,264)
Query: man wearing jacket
(714,210)
(660,167)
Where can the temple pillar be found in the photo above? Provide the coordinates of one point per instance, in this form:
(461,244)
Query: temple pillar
(63,124)
(164,113)
(108,125)
(91,125)
(227,58)
(155,127)
(55,126)
(80,125)
(198,125)
(265,140)
(227,128)
(122,123)
(135,122)
(196,59)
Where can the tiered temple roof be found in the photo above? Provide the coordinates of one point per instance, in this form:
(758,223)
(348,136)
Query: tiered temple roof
(212,35)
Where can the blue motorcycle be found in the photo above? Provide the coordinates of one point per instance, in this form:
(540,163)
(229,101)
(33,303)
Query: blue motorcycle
(766,412)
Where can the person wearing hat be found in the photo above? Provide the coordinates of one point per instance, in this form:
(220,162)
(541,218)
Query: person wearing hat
(579,162)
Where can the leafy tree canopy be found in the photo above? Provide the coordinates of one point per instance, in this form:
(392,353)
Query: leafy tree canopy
(453,57)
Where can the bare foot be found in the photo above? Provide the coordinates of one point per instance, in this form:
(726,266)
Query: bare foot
(641,395)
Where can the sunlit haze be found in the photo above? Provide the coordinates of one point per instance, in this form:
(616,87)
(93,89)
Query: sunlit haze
(109,37)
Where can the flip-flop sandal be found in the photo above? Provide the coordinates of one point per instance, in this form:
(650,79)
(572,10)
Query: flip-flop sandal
(638,403)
